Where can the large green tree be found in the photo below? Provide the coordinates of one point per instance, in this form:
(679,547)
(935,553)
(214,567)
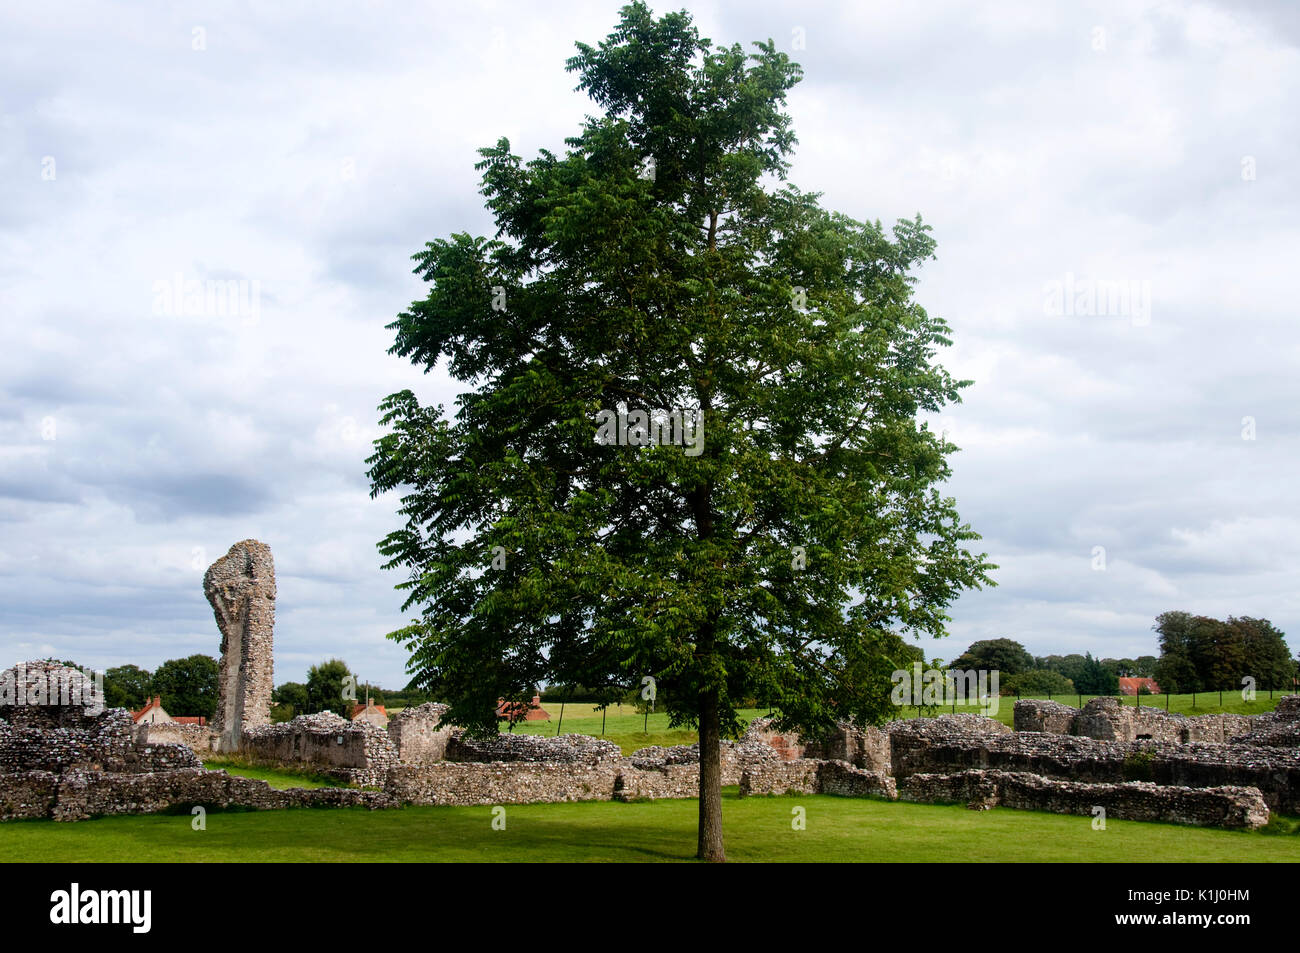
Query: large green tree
(127,686)
(1003,655)
(326,683)
(783,534)
(188,686)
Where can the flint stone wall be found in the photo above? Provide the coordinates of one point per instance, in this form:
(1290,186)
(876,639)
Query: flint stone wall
(809,776)
(566,749)
(865,748)
(1107,719)
(241,589)
(198,738)
(105,742)
(354,751)
(81,794)
(415,734)
(45,694)
(500,782)
(1224,806)
(923,746)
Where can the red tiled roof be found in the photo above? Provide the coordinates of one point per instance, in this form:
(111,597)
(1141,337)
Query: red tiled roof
(358,709)
(1131,686)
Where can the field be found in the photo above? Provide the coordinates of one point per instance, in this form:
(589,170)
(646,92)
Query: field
(756,829)
(629,730)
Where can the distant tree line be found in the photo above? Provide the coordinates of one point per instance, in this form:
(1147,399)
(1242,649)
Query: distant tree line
(1197,653)
(1200,654)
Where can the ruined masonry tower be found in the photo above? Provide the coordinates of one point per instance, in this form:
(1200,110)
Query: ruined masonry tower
(241,587)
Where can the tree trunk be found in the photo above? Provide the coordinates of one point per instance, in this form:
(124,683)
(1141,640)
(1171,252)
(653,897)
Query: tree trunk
(710,846)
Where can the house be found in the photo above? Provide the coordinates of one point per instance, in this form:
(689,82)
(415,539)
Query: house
(514,711)
(153,713)
(1132,686)
(370,712)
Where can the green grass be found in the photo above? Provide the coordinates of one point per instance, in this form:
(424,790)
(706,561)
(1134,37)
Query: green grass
(1206,703)
(756,829)
(280,777)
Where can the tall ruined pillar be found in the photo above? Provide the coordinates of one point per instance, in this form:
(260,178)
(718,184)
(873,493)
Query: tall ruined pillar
(241,587)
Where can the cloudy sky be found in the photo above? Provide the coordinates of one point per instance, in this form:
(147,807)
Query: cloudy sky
(1124,453)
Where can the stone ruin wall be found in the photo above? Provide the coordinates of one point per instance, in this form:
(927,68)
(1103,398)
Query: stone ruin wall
(415,734)
(198,738)
(942,746)
(241,588)
(1106,719)
(353,751)
(1226,806)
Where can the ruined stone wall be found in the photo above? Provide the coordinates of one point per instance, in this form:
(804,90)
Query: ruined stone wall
(415,734)
(354,751)
(80,794)
(106,742)
(518,782)
(198,738)
(926,746)
(241,588)
(865,748)
(564,749)
(809,776)
(1225,806)
(1039,714)
(1107,719)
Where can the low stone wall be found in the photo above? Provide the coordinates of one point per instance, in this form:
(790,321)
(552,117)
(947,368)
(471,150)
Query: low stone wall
(809,776)
(863,747)
(1225,806)
(415,734)
(354,751)
(1108,719)
(80,794)
(518,782)
(106,741)
(1038,714)
(566,749)
(924,747)
(198,738)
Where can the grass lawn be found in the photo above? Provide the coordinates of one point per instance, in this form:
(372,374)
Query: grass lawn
(279,778)
(756,829)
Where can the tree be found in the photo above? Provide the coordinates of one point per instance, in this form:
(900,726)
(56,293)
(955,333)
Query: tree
(127,686)
(293,697)
(688,449)
(1037,682)
(1003,655)
(1095,678)
(325,686)
(188,686)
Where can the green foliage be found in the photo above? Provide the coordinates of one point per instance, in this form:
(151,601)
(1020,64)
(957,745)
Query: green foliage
(291,698)
(127,686)
(1138,766)
(1095,678)
(325,687)
(188,686)
(784,560)
(1037,682)
(1002,655)
(1198,653)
